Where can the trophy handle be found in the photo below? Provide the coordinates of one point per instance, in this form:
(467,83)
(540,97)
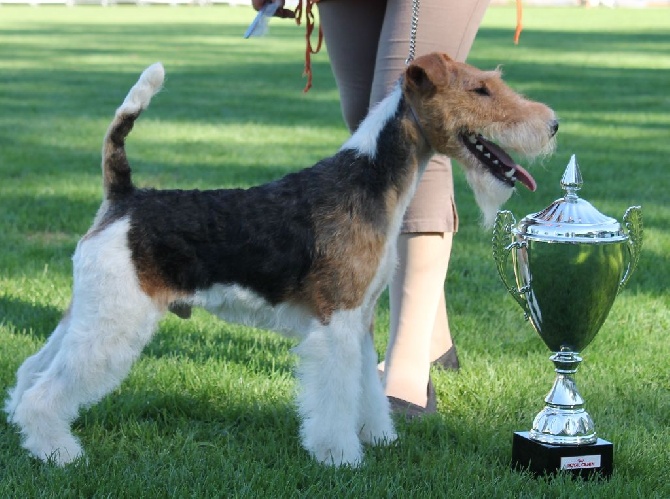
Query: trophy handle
(633,221)
(502,231)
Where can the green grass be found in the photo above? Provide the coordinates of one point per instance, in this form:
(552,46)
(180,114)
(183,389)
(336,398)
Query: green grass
(207,411)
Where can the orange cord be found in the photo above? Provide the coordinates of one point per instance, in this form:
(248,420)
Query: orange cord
(519,23)
(310,25)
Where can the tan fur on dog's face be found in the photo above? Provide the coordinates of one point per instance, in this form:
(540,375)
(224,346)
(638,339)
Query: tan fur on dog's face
(466,100)
(472,116)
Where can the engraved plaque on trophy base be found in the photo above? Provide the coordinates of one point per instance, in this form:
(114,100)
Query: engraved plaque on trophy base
(546,459)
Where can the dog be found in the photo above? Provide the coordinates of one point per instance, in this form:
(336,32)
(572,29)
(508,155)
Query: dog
(307,255)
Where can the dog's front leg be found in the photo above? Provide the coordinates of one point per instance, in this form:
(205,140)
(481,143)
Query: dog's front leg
(376,425)
(329,377)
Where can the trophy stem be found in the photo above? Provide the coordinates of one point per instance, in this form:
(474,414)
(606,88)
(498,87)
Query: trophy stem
(564,421)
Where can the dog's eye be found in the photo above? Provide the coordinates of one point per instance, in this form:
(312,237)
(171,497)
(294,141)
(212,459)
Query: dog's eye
(482,91)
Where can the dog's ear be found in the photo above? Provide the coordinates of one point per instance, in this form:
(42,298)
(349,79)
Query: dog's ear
(427,71)
(418,80)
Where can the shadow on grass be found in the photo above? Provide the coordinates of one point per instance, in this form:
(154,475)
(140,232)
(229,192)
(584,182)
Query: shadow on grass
(41,320)
(261,352)
(593,42)
(171,408)
(48,221)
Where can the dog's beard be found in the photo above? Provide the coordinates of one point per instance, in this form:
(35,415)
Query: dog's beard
(490,194)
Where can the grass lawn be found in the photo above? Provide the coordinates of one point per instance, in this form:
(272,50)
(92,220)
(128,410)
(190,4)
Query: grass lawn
(208,410)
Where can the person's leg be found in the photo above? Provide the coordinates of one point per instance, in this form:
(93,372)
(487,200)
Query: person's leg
(442,350)
(446,26)
(419,325)
(351,31)
(415,294)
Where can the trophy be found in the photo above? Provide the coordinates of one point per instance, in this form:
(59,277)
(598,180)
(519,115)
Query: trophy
(569,261)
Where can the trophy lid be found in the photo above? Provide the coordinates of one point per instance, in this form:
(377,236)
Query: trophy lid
(570,218)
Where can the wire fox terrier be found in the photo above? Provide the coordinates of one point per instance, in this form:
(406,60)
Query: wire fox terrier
(307,255)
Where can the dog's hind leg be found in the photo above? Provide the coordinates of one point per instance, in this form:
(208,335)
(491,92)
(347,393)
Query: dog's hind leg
(34,365)
(110,321)
(329,377)
(376,425)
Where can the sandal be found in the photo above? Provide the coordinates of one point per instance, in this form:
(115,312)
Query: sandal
(448,360)
(410,410)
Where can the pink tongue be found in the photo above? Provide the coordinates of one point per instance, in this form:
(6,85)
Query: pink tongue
(520,173)
(525,178)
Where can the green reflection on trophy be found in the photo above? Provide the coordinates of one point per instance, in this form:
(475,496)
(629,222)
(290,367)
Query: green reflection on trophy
(569,262)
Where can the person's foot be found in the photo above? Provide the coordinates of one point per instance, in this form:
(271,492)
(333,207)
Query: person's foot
(410,411)
(448,360)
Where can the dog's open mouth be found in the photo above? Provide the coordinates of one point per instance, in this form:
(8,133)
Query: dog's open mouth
(498,162)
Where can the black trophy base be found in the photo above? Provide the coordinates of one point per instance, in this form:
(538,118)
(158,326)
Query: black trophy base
(545,459)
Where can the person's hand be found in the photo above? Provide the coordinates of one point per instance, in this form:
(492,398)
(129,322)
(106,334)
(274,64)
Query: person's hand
(281,11)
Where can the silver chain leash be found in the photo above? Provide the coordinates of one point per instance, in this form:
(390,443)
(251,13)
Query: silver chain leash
(412,33)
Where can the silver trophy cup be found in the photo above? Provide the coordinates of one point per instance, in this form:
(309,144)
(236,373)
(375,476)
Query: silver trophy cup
(569,261)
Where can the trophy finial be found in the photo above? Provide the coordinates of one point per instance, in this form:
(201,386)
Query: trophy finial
(572,178)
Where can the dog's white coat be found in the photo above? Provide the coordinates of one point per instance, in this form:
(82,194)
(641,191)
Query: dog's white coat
(91,351)
(364,138)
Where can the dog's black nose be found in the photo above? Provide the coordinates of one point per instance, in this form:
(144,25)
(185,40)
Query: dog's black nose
(553,126)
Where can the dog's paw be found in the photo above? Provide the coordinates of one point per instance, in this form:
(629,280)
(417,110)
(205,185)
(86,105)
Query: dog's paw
(338,455)
(335,450)
(377,425)
(59,451)
(379,436)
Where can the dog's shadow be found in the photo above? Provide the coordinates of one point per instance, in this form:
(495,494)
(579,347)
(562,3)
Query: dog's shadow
(252,394)
(202,339)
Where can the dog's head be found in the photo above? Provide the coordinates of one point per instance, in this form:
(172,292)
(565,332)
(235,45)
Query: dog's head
(473,116)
